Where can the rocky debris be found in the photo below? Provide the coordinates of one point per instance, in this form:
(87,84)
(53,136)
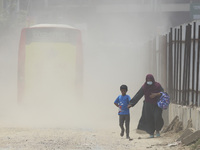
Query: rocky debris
(189,135)
(174,144)
(189,125)
(178,126)
(191,138)
(175,125)
(186,133)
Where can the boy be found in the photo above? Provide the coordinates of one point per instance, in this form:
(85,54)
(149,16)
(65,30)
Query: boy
(122,102)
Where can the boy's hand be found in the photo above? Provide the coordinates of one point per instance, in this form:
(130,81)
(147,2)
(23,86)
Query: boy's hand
(116,104)
(129,106)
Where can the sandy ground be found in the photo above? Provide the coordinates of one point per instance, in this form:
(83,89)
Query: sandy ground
(81,139)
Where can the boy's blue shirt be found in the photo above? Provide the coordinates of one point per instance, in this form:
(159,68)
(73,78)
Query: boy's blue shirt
(123,102)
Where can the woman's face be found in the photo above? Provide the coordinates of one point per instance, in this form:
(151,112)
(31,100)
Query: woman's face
(149,79)
(149,82)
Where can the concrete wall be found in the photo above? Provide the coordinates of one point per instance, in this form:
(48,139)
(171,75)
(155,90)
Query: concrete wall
(185,113)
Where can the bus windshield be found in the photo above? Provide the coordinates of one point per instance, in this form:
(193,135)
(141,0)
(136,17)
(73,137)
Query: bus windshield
(51,35)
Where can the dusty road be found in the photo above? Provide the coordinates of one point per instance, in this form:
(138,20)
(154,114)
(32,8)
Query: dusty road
(80,139)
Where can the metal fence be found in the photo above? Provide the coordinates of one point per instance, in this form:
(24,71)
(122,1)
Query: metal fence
(176,56)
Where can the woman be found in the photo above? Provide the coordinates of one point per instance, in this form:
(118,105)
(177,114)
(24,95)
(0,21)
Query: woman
(151,119)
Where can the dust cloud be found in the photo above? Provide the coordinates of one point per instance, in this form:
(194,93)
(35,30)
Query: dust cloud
(113,54)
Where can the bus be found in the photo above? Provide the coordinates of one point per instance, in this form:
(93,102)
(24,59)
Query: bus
(50,62)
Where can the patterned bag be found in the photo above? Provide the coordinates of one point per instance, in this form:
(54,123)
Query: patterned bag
(164,100)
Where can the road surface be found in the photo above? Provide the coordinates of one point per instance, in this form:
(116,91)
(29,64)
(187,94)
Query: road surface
(81,139)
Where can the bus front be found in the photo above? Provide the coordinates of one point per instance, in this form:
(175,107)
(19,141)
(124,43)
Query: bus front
(50,64)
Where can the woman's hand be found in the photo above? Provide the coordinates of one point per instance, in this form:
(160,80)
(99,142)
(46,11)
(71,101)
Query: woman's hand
(153,95)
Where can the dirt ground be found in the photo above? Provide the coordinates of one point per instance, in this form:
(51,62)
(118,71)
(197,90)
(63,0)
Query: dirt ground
(82,139)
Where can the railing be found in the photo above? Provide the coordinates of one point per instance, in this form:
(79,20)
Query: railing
(175,63)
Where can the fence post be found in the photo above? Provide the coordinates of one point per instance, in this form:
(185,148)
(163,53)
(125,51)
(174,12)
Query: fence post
(193,63)
(177,66)
(197,77)
(180,66)
(170,65)
(174,64)
(188,64)
(185,68)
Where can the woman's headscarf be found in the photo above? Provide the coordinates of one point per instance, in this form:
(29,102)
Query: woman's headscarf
(148,89)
